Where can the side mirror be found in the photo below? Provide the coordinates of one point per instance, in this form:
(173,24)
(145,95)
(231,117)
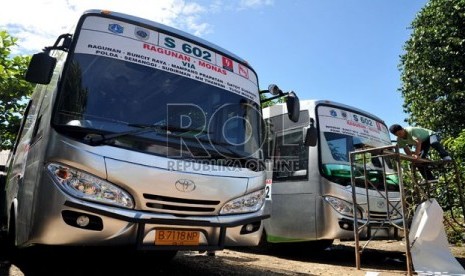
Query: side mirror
(293,107)
(311,137)
(41,68)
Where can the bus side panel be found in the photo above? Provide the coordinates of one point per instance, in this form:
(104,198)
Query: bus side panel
(33,160)
(282,226)
(25,176)
(321,220)
(294,208)
(326,217)
(27,191)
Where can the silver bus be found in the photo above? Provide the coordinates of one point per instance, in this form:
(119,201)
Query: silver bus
(310,188)
(138,134)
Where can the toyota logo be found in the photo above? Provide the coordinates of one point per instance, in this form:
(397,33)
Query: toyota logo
(184,185)
(381,204)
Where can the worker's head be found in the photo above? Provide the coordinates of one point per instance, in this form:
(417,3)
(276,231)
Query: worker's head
(397,130)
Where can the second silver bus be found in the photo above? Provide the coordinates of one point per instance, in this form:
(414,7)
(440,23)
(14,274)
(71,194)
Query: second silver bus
(310,191)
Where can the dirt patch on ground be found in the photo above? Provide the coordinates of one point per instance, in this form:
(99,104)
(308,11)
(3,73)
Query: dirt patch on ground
(377,258)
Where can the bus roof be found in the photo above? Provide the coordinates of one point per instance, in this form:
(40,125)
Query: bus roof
(281,108)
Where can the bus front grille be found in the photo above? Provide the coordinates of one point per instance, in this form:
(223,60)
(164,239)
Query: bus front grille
(381,216)
(165,204)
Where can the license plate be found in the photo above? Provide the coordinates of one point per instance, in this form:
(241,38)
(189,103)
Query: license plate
(379,232)
(177,237)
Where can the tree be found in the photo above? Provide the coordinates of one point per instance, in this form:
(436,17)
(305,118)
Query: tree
(433,87)
(14,90)
(432,68)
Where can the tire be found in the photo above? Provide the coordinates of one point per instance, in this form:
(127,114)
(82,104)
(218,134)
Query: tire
(7,239)
(306,247)
(320,244)
(263,243)
(3,209)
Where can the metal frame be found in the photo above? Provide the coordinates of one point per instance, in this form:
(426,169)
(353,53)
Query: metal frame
(422,188)
(390,152)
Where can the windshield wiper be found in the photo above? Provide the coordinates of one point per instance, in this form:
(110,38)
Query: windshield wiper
(191,131)
(172,128)
(98,139)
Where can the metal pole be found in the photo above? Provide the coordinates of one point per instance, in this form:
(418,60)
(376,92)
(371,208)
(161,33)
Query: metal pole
(354,201)
(404,219)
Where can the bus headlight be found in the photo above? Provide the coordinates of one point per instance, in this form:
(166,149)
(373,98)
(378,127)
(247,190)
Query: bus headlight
(343,207)
(88,187)
(244,204)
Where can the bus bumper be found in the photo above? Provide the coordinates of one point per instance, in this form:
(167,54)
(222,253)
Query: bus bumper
(114,226)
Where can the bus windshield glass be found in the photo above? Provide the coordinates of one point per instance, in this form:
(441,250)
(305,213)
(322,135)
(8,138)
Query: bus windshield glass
(343,131)
(123,77)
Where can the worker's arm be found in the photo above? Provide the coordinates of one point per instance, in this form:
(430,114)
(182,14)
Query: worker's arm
(407,150)
(417,148)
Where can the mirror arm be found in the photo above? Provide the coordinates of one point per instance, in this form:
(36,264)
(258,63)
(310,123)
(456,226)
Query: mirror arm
(64,46)
(312,122)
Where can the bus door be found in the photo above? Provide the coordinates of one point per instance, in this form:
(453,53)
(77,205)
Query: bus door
(293,196)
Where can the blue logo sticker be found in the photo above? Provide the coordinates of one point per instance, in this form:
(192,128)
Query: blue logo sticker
(333,113)
(116,28)
(141,33)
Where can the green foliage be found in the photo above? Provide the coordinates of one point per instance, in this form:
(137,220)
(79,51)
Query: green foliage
(14,90)
(271,103)
(432,67)
(448,191)
(457,146)
(433,87)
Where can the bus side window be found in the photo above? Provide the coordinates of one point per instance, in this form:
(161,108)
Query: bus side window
(303,156)
(376,162)
(290,156)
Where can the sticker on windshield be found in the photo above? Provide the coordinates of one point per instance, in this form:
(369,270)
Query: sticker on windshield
(336,120)
(123,41)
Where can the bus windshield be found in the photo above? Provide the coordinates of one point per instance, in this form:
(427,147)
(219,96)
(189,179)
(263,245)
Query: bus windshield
(343,131)
(206,108)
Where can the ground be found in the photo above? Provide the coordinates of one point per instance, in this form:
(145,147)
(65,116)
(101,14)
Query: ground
(378,258)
